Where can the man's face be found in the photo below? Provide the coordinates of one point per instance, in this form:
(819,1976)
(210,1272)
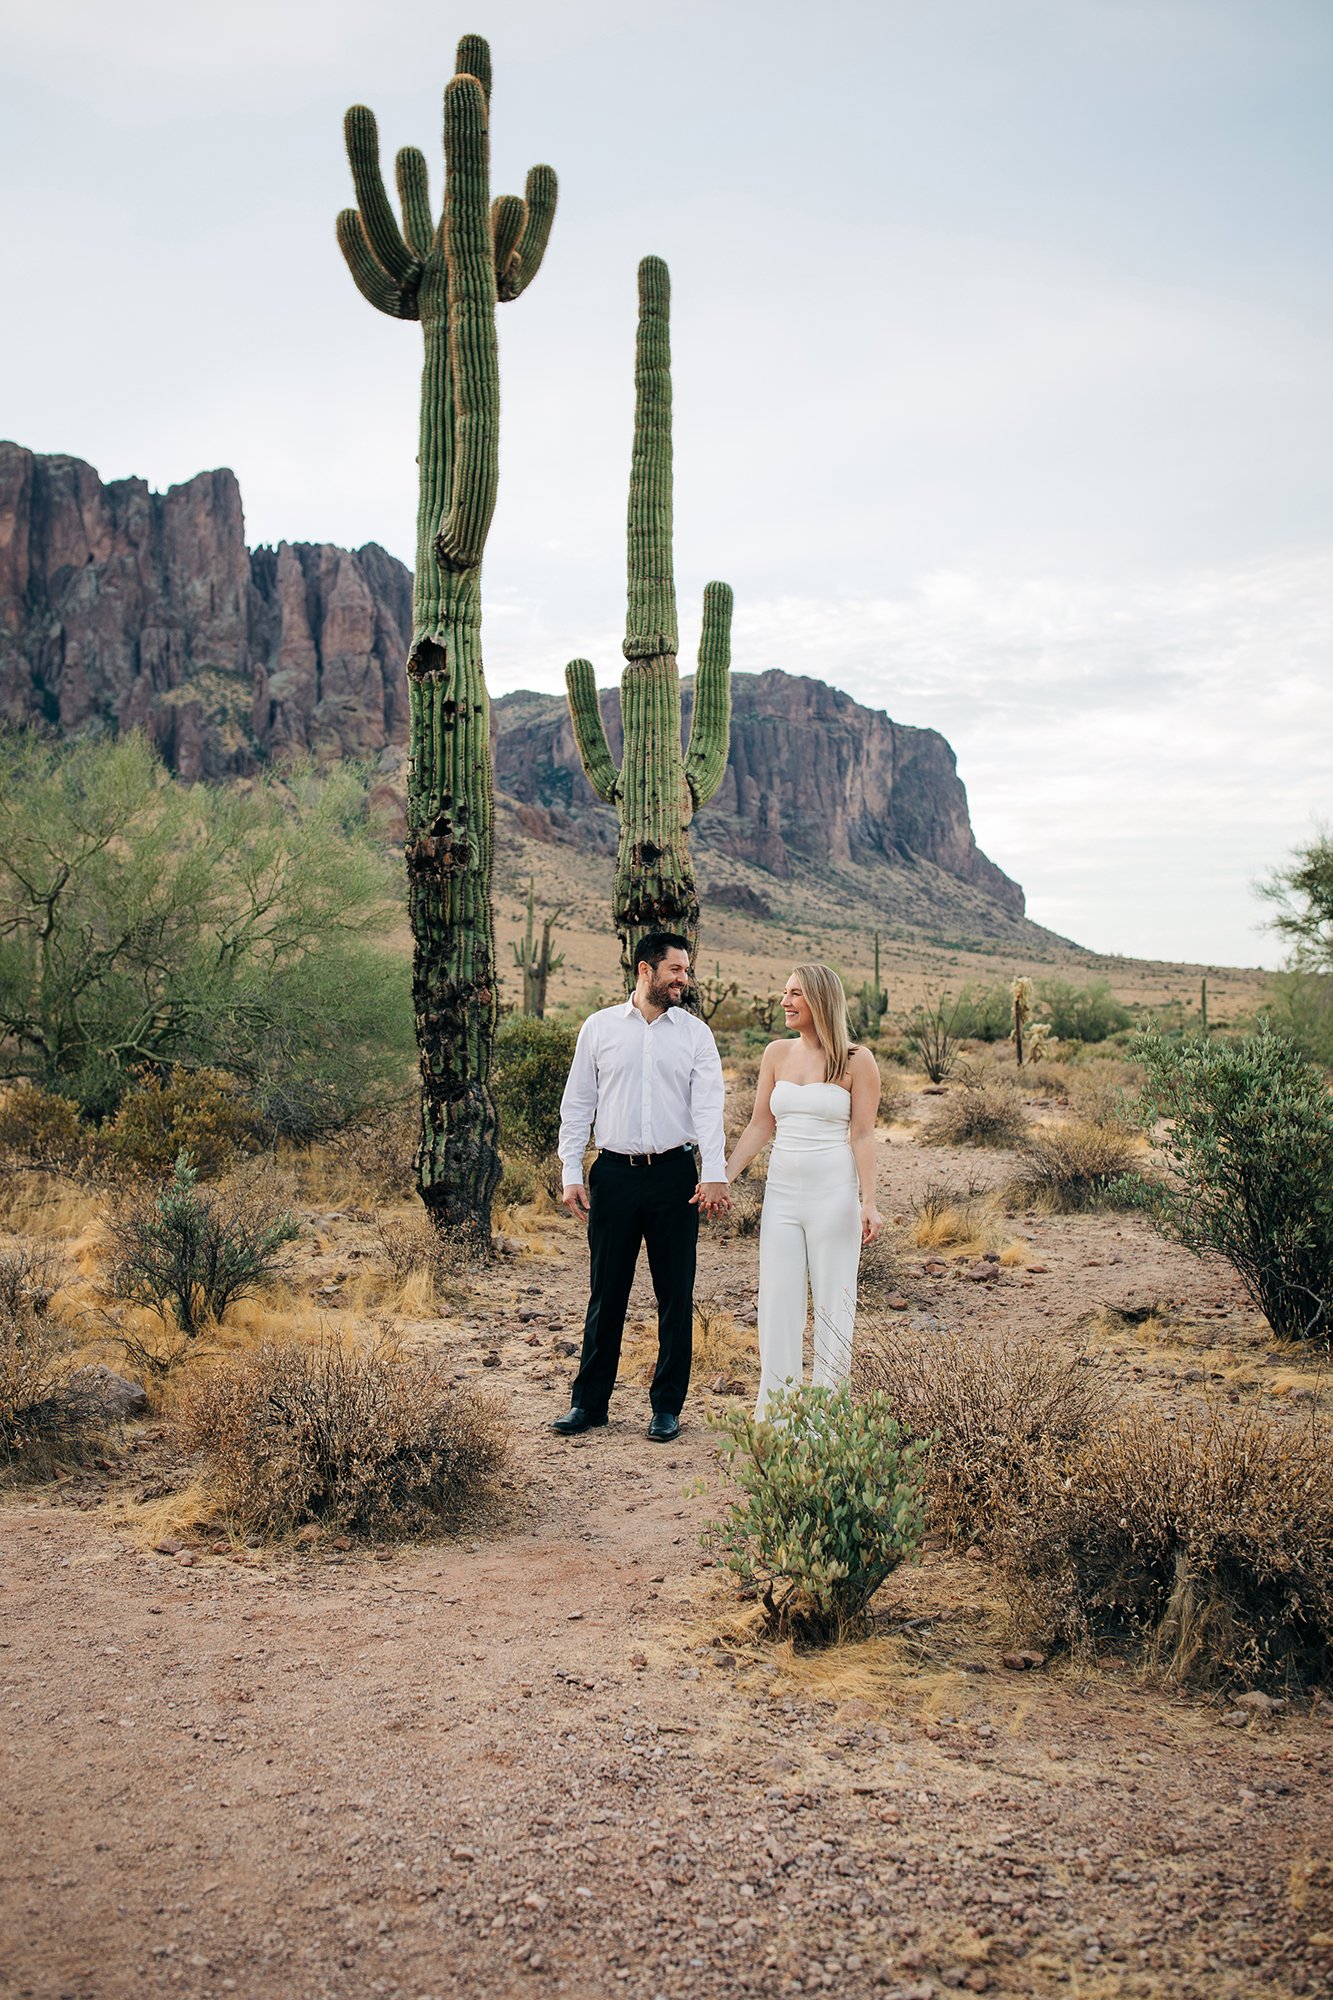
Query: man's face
(668,984)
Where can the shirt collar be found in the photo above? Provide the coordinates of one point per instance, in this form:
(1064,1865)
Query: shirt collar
(630,1009)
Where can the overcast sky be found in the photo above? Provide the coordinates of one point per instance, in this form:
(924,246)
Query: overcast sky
(1003,368)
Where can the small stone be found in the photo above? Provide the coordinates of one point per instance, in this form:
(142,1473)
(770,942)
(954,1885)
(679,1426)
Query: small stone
(563,1347)
(167,1547)
(311,1532)
(341,1542)
(491,1360)
(1022,1662)
(973,1554)
(534,1340)
(977,1981)
(896,1302)
(982,1273)
(638,1661)
(187,1558)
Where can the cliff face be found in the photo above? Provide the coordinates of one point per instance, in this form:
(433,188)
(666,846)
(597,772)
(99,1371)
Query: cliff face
(126,609)
(811,776)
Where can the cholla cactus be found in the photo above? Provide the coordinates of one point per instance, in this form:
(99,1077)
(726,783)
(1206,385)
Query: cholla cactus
(656,791)
(449,275)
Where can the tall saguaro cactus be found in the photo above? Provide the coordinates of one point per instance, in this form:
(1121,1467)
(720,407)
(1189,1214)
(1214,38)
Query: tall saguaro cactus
(449,275)
(656,790)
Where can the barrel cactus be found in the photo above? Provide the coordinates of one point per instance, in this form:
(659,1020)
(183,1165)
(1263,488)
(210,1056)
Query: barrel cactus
(656,790)
(449,276)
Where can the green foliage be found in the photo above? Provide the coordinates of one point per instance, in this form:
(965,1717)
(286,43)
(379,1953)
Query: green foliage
(532,1060)
(1088,1013)
(1302,1009)
(193,1254)
(832,1500)
(145,922)
(980,1114)
(984,1013)
(367,1441)
(1250,1149)
(1302,899)
(202,1112)
(931,1031)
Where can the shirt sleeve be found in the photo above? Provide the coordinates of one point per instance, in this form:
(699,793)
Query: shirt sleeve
(707,1096)
(578,1106)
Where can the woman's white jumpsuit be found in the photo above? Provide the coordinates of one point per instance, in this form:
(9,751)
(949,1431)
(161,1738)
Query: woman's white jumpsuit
(809,1237)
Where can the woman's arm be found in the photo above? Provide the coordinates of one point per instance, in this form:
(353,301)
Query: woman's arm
(762,1123)
(863,1071)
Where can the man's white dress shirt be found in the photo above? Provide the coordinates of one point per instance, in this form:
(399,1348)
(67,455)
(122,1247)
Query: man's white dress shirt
(648,1086)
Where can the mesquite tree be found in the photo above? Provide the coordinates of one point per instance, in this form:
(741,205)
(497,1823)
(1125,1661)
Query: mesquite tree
(656,790)
(449,275)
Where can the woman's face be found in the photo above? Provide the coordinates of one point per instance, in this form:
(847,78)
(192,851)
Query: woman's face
(796,1008)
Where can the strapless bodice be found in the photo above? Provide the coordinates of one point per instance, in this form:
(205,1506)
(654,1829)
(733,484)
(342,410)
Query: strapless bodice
(810,1116)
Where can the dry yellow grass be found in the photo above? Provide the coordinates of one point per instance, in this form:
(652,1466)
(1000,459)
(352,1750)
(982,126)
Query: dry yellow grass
(968,1222)
(46,1205)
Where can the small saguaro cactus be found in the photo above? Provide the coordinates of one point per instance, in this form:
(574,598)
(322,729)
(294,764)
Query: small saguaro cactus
(449,275)
(536,961)
(656,790)
(872,1002)
(1022,998)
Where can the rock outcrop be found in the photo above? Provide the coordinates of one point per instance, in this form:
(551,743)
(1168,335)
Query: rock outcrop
(126,609)
(812,776)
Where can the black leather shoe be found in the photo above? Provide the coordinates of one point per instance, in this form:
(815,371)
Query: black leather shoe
(577,1420)
(664,1428)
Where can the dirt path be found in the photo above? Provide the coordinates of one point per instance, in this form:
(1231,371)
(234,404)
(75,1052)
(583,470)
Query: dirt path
(540,1760)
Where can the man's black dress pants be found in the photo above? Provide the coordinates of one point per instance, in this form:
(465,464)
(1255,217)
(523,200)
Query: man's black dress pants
(630,1205)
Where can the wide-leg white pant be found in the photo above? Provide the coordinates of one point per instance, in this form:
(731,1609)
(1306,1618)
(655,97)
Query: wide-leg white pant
(809,1245)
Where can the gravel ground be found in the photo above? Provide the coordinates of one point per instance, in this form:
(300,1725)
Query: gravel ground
(548,1758)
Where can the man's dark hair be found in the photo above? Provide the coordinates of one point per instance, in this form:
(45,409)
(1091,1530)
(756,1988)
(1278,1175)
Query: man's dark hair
(653,947)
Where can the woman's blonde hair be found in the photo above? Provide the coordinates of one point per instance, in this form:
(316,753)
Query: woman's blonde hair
(827,1001)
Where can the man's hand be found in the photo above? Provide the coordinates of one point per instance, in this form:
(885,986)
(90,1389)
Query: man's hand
(575,1199)
(712,1198)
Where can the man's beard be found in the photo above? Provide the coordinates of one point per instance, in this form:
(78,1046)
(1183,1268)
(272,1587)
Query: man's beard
(660,994)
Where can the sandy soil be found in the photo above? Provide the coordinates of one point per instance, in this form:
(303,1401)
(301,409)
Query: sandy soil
(545,1758)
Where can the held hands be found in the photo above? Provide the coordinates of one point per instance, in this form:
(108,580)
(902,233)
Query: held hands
(870,1222)
(711,1198)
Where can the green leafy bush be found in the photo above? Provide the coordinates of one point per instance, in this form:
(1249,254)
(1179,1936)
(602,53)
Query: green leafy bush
(194,1253)
(1207,1542)
(1249,1146)
(366,1442)
(831,1502)
(1088,1013)
(202,1112)
(985,1013)
(145,922)
(532,1059)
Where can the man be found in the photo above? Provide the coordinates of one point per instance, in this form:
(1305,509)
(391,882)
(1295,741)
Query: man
(649,1077)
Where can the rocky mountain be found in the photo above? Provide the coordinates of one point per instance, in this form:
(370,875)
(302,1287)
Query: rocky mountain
(121,608)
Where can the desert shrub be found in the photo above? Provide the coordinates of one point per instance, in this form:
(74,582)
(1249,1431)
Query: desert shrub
(40,1129)
(1082,1013)
(415,1251)
(747,1205)
(1106,1093)
(532,1061)
(1073,1168)
(947,1215)
(146,921)
(48,1415)
(368,1441)
(932,1033)
(995,1410)
(831,1502)
(202,1112)
(1249,1148)
(1301,1007)
(985,1013)
(377,1150)
(878,1276)
(28,1277)
(980,1114)
(1208,1542)
(192,1253)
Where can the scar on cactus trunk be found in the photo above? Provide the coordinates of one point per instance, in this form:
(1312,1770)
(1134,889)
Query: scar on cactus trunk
(656,790)
(449,276)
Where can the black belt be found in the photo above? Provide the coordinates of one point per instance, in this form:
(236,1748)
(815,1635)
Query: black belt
(642,1159)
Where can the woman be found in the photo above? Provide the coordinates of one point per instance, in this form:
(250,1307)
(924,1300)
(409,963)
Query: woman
(816,1098)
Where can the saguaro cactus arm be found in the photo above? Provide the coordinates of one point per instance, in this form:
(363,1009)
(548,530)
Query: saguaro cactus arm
(710,725)
(539,201)
(585,713)
(469,255)
(377,218)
